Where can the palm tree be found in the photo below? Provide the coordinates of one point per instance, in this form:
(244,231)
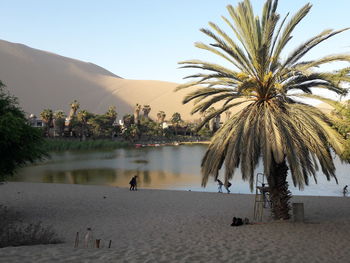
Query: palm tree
(74,107)
(59,121)
(82,117)
(111,113)
(46,116)
(273,125)
(176,120)
(137,113)
(146,110)
(128,120)
(161,117)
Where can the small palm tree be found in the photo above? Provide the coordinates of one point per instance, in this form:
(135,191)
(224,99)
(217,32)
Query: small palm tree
(128,120)
(161,116)
(47,116)
(273,125)
(82,117)
(59,122)
(176,120)
(111,113)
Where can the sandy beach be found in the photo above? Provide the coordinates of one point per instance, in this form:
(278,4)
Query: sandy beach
(174,226)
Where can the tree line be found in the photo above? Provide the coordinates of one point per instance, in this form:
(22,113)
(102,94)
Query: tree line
(82,124)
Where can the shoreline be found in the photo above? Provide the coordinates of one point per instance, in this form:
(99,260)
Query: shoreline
(182,226)
(340,195)
(54,145)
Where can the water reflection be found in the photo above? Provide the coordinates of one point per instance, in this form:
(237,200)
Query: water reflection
(160,167)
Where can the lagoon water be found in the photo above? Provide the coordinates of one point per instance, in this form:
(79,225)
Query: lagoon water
(164,167)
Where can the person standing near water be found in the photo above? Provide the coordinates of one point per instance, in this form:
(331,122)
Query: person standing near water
(345,190)
(220,184)
(133,183)
(227,186)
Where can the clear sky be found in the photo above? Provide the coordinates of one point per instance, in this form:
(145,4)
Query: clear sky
(144,39)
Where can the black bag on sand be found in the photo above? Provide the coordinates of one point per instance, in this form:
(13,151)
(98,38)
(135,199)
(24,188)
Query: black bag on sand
(237,221)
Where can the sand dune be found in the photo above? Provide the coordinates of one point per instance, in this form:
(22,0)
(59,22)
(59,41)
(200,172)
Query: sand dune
(42,80)
(45,80)
(174,226)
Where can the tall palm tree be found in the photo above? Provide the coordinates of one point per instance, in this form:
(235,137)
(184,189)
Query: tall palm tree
(137,110)
(47,116)
(74,107)
(273,125)
(146,110)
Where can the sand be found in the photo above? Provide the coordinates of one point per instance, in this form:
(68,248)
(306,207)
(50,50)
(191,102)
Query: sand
(174,226)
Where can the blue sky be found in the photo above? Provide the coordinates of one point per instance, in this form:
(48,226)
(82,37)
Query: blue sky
(139,39)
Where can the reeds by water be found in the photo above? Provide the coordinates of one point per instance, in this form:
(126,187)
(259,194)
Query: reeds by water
(59,145)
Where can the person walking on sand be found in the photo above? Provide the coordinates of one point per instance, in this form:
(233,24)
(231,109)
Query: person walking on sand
(227,186)
(345,190)
(133,183)
(220,184)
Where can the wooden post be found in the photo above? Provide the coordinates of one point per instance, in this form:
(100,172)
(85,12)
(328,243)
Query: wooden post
(76,243)
(97,243)
(110,243)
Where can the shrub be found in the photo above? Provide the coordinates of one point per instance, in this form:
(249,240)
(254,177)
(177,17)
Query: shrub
(13,232)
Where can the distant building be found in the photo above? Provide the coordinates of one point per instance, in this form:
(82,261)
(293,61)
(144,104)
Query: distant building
(165,125)
(34,121)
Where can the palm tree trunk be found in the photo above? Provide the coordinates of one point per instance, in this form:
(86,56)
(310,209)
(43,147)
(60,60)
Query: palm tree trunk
(279,193)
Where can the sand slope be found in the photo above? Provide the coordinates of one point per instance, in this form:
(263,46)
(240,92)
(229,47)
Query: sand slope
(174,226)
(45,80)
(42,80)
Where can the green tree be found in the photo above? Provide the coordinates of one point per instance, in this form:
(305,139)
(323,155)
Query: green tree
(59,119)
(131,133)
(149,129)
(47,117)
(82,118)
(111,113)
(19,142)
(272,125)
(128,120)
(176,120)
(102,125)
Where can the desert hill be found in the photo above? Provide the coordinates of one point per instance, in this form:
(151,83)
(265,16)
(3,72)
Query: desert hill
(42,80)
